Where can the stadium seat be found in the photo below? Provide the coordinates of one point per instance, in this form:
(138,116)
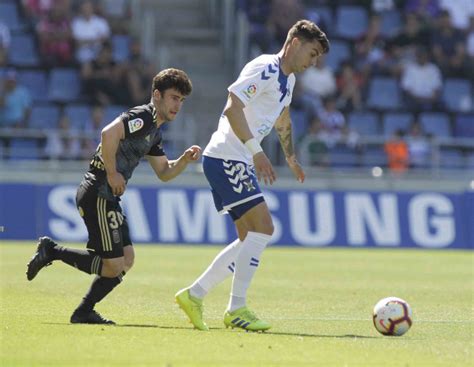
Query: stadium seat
(374,156)
(299,125)
(322,16)
(23,51)
(44,117)
(9,16)
(384,94)
(343,157)
(78,115)
(351,21)
(464,126)
(339,52)
(435,123)
(120,48)
(457,95)
(391,22)
(393,121)
(365,123)
(112,112)
(21,148)
(36,82)
(64,85)
(451,158)
(470,161)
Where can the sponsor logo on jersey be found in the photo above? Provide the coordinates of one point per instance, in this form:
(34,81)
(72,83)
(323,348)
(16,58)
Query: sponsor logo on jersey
(135,125)
(250,91)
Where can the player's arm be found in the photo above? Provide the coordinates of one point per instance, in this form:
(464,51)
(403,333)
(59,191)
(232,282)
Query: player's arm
(110,139)
(234,110)
(167,170)
(284,131)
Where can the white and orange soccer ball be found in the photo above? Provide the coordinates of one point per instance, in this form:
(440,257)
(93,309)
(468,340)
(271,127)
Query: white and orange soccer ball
(392,316)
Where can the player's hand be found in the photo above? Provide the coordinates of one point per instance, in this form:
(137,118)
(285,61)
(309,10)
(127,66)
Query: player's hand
(264,168)
(192,153)
(296,168)
(117,183)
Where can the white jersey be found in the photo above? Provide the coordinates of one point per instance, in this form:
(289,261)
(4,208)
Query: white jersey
(265,91)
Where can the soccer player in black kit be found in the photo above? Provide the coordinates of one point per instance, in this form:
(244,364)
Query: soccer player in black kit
(131,136)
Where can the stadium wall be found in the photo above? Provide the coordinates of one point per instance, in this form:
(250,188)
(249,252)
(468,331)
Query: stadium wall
(312,218)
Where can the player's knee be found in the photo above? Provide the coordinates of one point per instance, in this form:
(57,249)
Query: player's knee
(113,268)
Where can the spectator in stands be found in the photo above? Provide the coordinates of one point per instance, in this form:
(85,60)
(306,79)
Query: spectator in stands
(103,79)
(421,82)
(396,149)
(313,148)
(332,121)
(449,47)
(418,146)
(283,14)
(90,32)
(15,102)
(55,37)
(317,82)
(62,143)
(426,9)
(257,12)
(349,87)
(460,11)
(37,9)
(117,13)
(470,47)
(138,73)
(4,43)
(369,49)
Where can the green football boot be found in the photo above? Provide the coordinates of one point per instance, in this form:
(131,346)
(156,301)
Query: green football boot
(192,307)
(245,319)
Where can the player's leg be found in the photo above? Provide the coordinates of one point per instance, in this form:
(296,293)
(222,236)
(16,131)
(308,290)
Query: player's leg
(256,226)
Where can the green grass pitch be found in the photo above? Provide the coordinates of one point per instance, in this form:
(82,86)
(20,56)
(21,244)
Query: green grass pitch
(318,300)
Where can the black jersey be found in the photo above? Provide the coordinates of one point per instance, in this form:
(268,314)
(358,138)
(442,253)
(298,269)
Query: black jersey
(142,137)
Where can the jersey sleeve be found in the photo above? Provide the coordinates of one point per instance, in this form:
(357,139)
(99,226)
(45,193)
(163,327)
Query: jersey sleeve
(137,122)
(253,80)
(157,150)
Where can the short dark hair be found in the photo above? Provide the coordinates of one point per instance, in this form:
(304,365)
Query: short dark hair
(172,79)
(308,31)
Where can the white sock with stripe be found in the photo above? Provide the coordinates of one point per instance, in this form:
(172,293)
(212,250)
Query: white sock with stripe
(245,266)
(221,268)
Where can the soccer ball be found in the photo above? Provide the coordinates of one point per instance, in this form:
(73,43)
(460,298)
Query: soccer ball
(392,316)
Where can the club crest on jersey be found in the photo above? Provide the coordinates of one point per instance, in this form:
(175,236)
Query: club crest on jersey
(250,91)
(135,125)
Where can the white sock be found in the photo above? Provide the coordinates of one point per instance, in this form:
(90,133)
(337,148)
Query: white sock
(221,268)
(245,266)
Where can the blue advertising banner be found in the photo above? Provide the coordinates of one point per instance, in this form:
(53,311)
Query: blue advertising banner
(306,218)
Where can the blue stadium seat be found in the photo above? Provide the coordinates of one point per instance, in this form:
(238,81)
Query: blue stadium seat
(451,158)
(457,95)
(21,148)
(299,124)
(23,51)
(470,161)
(435,123)
(384,94)
(112,112)
(322,16)
(36,82)
(365,123)
(391,22)
(78,115)
(9,16)
(64,85)
(44,117)
(339,52)
(464,126)
(374,156)
(392,121)
(120,48)
(342,156)
(351,21)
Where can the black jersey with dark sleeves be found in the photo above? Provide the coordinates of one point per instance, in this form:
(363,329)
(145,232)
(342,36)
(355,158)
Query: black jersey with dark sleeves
(142,137)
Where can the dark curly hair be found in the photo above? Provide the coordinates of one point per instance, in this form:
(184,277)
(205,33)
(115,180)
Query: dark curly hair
(308,31)
(172,78)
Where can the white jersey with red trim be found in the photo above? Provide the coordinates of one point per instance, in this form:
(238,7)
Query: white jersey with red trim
(265,91)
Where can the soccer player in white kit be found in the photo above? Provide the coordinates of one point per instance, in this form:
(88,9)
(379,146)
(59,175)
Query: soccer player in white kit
(234,163)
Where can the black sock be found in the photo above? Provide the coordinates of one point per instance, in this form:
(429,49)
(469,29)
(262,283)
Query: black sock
(100,287)
(83,260)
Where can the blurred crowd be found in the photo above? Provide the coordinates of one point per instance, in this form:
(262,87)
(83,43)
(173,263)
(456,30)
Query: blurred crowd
(380,50)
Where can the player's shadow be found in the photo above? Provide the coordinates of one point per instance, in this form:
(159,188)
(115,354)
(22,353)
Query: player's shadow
(307,335)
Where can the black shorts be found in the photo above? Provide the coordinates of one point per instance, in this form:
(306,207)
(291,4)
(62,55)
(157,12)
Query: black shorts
(105,222)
